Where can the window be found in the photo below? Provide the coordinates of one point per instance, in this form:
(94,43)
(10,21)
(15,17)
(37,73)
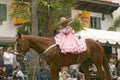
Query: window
(3,12)
(95,22)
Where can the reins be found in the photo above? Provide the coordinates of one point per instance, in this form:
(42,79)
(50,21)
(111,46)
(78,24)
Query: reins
(44,53)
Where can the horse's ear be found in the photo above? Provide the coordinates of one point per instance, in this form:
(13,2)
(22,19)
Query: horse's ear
(18,35)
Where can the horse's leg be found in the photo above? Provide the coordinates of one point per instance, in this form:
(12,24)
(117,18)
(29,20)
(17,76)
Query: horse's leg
(104,65)
(100,71)
(106,68)
(54,72)
(85,68)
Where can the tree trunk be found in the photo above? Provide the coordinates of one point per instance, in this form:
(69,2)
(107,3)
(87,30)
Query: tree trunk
(34,18)
(48,30)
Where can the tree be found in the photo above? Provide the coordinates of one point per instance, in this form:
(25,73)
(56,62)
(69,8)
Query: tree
(32,24)
(49,12)
(34,18)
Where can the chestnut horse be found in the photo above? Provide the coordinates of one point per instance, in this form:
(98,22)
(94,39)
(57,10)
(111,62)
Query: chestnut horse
(55,58)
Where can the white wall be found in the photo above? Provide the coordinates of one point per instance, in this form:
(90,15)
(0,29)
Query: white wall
(108,22)
(7,29)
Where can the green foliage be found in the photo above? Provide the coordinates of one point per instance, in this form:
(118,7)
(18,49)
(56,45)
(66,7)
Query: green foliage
(117,22)
(115,25)
(25,28)
(21,13)
(54,8)
(22,10)
(76,24)
(23,4)
(112,29)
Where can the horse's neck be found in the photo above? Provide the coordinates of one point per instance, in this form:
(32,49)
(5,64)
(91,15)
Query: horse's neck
(40,44)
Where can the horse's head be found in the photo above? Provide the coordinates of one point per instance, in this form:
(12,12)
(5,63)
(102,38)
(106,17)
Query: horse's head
(22,44)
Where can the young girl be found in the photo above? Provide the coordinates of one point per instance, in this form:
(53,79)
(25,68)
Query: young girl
(66,39)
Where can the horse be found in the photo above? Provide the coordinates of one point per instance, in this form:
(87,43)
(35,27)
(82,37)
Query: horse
(55,59)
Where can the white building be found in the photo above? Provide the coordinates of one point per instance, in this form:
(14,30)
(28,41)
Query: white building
(100,9)
(7,29)
(100,15)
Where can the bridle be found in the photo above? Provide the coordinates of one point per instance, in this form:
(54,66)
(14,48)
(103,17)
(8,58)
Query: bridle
(20,46)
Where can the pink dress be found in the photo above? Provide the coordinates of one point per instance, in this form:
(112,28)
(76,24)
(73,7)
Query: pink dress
(68,42)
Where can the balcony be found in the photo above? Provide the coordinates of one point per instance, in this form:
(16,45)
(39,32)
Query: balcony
(100,6)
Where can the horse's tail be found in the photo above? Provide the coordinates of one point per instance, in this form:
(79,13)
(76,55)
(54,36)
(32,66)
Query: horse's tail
(106,66)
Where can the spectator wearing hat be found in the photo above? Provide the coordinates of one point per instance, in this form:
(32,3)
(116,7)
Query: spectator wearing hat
(66,39)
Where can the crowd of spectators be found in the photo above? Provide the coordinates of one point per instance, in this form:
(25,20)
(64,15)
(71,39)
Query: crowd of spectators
(43,74)
(74,74)
(9,66)
(71,73)
(10,69)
